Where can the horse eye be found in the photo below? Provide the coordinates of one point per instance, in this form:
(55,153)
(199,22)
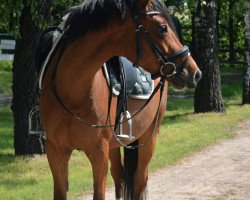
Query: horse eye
(163,29)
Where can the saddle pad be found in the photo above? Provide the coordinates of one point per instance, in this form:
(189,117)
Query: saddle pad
(56,37)
(139,84)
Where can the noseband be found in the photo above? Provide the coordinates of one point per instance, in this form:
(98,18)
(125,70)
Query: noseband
(168,67)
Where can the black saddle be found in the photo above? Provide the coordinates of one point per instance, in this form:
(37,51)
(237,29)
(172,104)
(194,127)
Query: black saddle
(44,44)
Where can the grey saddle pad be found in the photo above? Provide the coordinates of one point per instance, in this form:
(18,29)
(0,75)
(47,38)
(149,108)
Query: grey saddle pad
(139,84)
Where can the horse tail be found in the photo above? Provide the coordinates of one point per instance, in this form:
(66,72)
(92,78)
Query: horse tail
(130,165)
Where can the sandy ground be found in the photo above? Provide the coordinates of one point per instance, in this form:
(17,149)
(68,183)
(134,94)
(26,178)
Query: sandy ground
(220,172)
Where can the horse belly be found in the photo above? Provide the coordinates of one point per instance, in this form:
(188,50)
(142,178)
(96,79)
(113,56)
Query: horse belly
(141,123)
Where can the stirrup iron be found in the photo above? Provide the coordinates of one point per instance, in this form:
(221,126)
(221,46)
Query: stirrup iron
(129,135)
(35,126)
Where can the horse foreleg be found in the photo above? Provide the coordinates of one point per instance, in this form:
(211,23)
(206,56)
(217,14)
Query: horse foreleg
(99,160)
(58,161)
(145,154)
(117,171)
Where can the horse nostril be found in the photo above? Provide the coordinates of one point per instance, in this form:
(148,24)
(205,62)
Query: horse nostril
(197,77)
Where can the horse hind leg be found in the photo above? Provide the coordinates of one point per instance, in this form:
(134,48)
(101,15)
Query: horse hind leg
(58,161)
(117,171)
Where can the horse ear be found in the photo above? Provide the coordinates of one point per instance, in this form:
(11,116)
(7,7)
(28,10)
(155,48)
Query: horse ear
(141,4)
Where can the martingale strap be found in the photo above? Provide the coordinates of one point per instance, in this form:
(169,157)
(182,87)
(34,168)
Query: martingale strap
(108,123)
(113,127)
(160,85)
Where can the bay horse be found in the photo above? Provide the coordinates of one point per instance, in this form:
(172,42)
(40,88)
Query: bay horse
(75,94)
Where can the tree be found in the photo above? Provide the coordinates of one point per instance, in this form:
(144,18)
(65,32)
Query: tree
(25,87)
(26,18)
(231,30)
(208,96)
(246,76)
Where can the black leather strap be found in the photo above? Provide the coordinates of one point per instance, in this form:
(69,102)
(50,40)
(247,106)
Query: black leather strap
(154,47)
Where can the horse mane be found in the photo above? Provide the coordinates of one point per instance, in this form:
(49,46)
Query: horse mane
(95,15)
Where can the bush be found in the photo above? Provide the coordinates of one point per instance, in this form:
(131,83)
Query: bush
(6,66)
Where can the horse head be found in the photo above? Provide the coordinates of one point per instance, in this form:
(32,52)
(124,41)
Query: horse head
(157,47)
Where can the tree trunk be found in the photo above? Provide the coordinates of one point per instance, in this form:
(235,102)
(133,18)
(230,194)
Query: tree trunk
(208,96)
(217,18)
(25,87)
(246,76)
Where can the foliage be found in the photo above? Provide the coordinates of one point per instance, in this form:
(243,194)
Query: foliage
(238,16)
(11,13)
(5,77)
(184,9)
(60,7)
(5,66)
(238,26)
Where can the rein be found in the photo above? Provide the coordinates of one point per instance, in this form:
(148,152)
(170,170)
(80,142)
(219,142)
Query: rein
(161,85)
(167,62)
(112,127)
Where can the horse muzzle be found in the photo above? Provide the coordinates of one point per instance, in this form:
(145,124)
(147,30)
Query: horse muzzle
(186,79)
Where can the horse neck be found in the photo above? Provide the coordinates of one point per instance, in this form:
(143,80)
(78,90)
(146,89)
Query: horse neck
(80,63)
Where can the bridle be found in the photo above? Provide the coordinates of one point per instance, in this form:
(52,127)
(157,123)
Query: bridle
(166,62)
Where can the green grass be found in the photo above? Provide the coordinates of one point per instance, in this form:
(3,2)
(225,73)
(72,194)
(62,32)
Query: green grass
(30,177)
(5,77)
(182,133)
(6,132)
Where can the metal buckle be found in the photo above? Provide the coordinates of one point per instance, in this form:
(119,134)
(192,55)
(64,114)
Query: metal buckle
(129,135)
(165,65)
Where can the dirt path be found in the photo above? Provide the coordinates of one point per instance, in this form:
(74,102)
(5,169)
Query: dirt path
(220,172)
